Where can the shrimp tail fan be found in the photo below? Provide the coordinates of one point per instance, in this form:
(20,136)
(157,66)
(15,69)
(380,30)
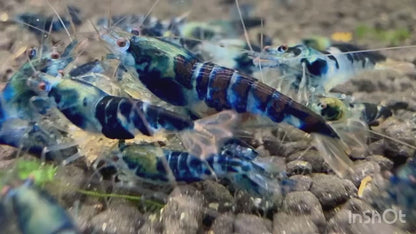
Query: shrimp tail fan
(209,134)
(334,152)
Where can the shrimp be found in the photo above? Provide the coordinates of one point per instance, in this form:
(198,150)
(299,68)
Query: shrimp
(93,110)
(152,164)
(36,211)
(309,68)
(334,109)
(34,22)
(38,139)
(352,120)
(16,97)
(176,76)
(402,188)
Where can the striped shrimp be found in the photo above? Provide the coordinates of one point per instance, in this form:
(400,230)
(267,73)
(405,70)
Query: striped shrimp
(38,139)
(352,120)
(20,123)
(16,97)
(334,109)
(307,68)
(93,110)
(177,77)
(152,164)
(36,211)
(37,23)
(402,189)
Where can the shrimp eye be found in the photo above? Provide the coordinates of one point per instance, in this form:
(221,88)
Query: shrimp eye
(55,55)
(31,53)
(135,31)
(42,86)
(282,48)
(121,42)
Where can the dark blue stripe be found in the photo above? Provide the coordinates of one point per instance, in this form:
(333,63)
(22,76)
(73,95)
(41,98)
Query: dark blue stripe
(240,89)
(138,120)
(158,118)
(202,79)
(276,107)
(106,113)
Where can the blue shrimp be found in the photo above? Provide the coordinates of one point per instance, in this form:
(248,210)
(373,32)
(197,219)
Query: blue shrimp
(93,110)
(334,109)
(37,23)
(159,166)
(16,97)
(352,120)
(38,139)
(142,24)
(320,70)
(20,109)
(36,211)
(401,190)
(176,76)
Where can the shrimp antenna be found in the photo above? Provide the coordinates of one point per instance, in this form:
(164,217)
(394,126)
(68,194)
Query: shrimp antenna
(109,14)
(60,19)
(149,12)
(392,139)
(261,46)
(42,39)
(32,26)
(243,25)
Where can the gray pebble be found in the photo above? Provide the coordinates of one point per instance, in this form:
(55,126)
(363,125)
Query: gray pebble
(251,224)
(329,189)
(216,195)
(383,162)
(304,203)
(312,157)
(182,213)
(121,219)
(245,203)
(288,224)
(295,147)
(274,146)
(356,205)
(350,187)
(223,224)
(302,182)
(377,147)
(363,169)
(299,167)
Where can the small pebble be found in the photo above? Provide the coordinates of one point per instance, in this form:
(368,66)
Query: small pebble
(384,163)
(302,182)
(299,167)
(285,224)
(223,224)
(304,203)
(329,189)
(363,169)
(251,224)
